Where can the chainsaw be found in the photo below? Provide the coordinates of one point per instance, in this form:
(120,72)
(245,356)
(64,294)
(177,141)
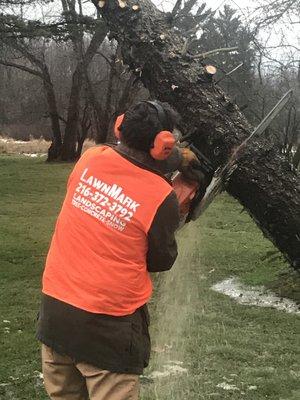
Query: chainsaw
(194,195)
(190,187)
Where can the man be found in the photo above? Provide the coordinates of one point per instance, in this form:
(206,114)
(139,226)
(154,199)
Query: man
(116,225)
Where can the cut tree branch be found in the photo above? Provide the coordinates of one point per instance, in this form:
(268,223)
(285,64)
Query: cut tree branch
(230,72)
(213,52)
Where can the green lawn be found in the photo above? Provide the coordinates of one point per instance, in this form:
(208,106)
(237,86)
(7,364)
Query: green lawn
(219,349)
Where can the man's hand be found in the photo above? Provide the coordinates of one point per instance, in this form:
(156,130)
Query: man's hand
(191,168)
(188,157)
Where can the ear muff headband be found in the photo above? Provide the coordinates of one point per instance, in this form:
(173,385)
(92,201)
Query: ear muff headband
(162,116)
(164,141)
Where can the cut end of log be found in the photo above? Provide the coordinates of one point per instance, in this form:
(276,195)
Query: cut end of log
(101,3)
(136,7)
(122,4)
(210,69)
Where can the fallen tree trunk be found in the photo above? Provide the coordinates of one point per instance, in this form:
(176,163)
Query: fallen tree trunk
(264,183)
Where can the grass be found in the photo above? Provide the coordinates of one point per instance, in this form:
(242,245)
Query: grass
(31,195)
(221,349)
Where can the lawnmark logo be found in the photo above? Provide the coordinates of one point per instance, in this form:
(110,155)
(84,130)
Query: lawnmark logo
(105,202)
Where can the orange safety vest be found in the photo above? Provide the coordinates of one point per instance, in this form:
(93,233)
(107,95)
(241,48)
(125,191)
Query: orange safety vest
(97,257)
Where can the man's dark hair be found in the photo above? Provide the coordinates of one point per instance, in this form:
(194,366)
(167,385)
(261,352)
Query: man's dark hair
(144,120)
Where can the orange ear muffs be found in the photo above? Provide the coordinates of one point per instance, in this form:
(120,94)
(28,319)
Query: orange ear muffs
(163,145)
(118,123)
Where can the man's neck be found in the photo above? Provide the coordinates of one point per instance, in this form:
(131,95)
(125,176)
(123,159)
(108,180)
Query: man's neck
(138,155)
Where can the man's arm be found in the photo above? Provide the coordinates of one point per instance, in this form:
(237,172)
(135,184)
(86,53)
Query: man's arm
(162,247)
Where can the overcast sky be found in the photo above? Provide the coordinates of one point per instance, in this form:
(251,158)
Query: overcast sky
(214,4)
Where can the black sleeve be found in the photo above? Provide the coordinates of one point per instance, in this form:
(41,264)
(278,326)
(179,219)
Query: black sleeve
(162,247)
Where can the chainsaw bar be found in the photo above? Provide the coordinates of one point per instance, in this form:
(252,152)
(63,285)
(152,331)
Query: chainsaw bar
(222,174)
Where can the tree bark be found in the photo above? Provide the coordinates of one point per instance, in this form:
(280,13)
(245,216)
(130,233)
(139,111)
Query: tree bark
(69,152)
(99,118)
(55,147)
(264,183)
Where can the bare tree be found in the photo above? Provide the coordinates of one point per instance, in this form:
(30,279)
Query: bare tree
(69,151)
(271,11)
(38,68)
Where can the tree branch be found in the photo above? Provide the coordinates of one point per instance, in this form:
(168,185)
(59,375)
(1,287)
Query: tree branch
(230,72)
(176,8)
(109,62)
(95,42)
(213,52)
(22,68)
(24,51)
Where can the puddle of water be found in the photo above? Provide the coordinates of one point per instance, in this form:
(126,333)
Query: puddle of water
(255,296)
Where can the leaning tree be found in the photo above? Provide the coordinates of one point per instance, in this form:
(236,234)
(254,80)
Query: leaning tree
(264,182)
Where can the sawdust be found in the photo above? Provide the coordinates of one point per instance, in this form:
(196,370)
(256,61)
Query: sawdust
(168,370)
(175,294)
(226,386)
